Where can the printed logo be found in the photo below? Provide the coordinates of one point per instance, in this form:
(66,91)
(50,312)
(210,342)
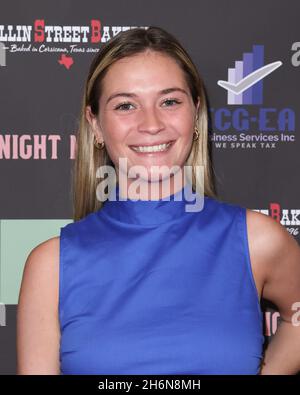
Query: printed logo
(66,61)
(241,126)
(63,41)
(245,85)
(286,217)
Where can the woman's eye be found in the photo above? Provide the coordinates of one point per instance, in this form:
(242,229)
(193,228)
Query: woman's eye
(126,106)
(123,106)
(172,101)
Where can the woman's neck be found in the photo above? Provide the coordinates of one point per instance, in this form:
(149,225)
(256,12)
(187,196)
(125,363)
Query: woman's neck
(150,190)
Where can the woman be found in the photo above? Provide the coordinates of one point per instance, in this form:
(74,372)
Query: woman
(141,286)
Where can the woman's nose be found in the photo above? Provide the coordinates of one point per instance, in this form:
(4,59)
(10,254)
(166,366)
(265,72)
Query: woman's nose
(151,121)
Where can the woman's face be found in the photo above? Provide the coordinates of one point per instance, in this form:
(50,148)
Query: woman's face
(146,102)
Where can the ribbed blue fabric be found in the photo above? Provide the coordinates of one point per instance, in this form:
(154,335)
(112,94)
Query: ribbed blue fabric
(149,288)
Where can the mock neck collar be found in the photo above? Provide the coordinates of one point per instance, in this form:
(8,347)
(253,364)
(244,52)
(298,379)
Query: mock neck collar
(151,212)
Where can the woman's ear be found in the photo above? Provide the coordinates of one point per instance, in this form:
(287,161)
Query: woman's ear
(94,124)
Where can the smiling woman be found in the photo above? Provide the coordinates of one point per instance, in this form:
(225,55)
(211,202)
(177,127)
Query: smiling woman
(145,286)
(139,97)
(152,127)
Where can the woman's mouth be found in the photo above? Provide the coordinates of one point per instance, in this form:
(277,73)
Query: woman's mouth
(152,149)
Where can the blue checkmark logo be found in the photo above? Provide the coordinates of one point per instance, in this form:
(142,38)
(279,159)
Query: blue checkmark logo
(244,84)
(251,79)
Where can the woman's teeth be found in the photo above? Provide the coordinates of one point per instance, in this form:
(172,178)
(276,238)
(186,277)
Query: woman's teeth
(153,148)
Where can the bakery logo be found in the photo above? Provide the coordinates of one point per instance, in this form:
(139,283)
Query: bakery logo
(65,40)
(40,32)
(245,79)
(290,218)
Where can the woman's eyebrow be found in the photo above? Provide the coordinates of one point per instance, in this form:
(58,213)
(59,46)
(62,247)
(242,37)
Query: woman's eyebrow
(131,94)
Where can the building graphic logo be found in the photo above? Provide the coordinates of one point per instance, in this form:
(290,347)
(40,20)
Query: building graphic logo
(245,80)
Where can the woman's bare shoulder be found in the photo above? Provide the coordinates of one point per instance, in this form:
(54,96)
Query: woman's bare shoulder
(275,257)
(41,268)
(47,247)
(38,330)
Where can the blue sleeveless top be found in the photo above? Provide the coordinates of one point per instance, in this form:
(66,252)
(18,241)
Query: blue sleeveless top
(146,287)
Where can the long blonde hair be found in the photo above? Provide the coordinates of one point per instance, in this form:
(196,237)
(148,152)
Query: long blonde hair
(88,158)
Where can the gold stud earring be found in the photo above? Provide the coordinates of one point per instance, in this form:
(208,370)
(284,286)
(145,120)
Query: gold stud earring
(196,133)
(99,145)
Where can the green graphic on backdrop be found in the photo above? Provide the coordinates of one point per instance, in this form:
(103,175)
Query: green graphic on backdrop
(17,239)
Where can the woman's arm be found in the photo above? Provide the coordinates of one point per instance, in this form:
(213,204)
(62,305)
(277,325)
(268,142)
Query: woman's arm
(275,256)
(38,331)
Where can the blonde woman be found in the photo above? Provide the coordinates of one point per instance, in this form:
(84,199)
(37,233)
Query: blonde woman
(142,285)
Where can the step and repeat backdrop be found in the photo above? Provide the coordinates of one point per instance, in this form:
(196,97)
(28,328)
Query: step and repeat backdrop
(45,52)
